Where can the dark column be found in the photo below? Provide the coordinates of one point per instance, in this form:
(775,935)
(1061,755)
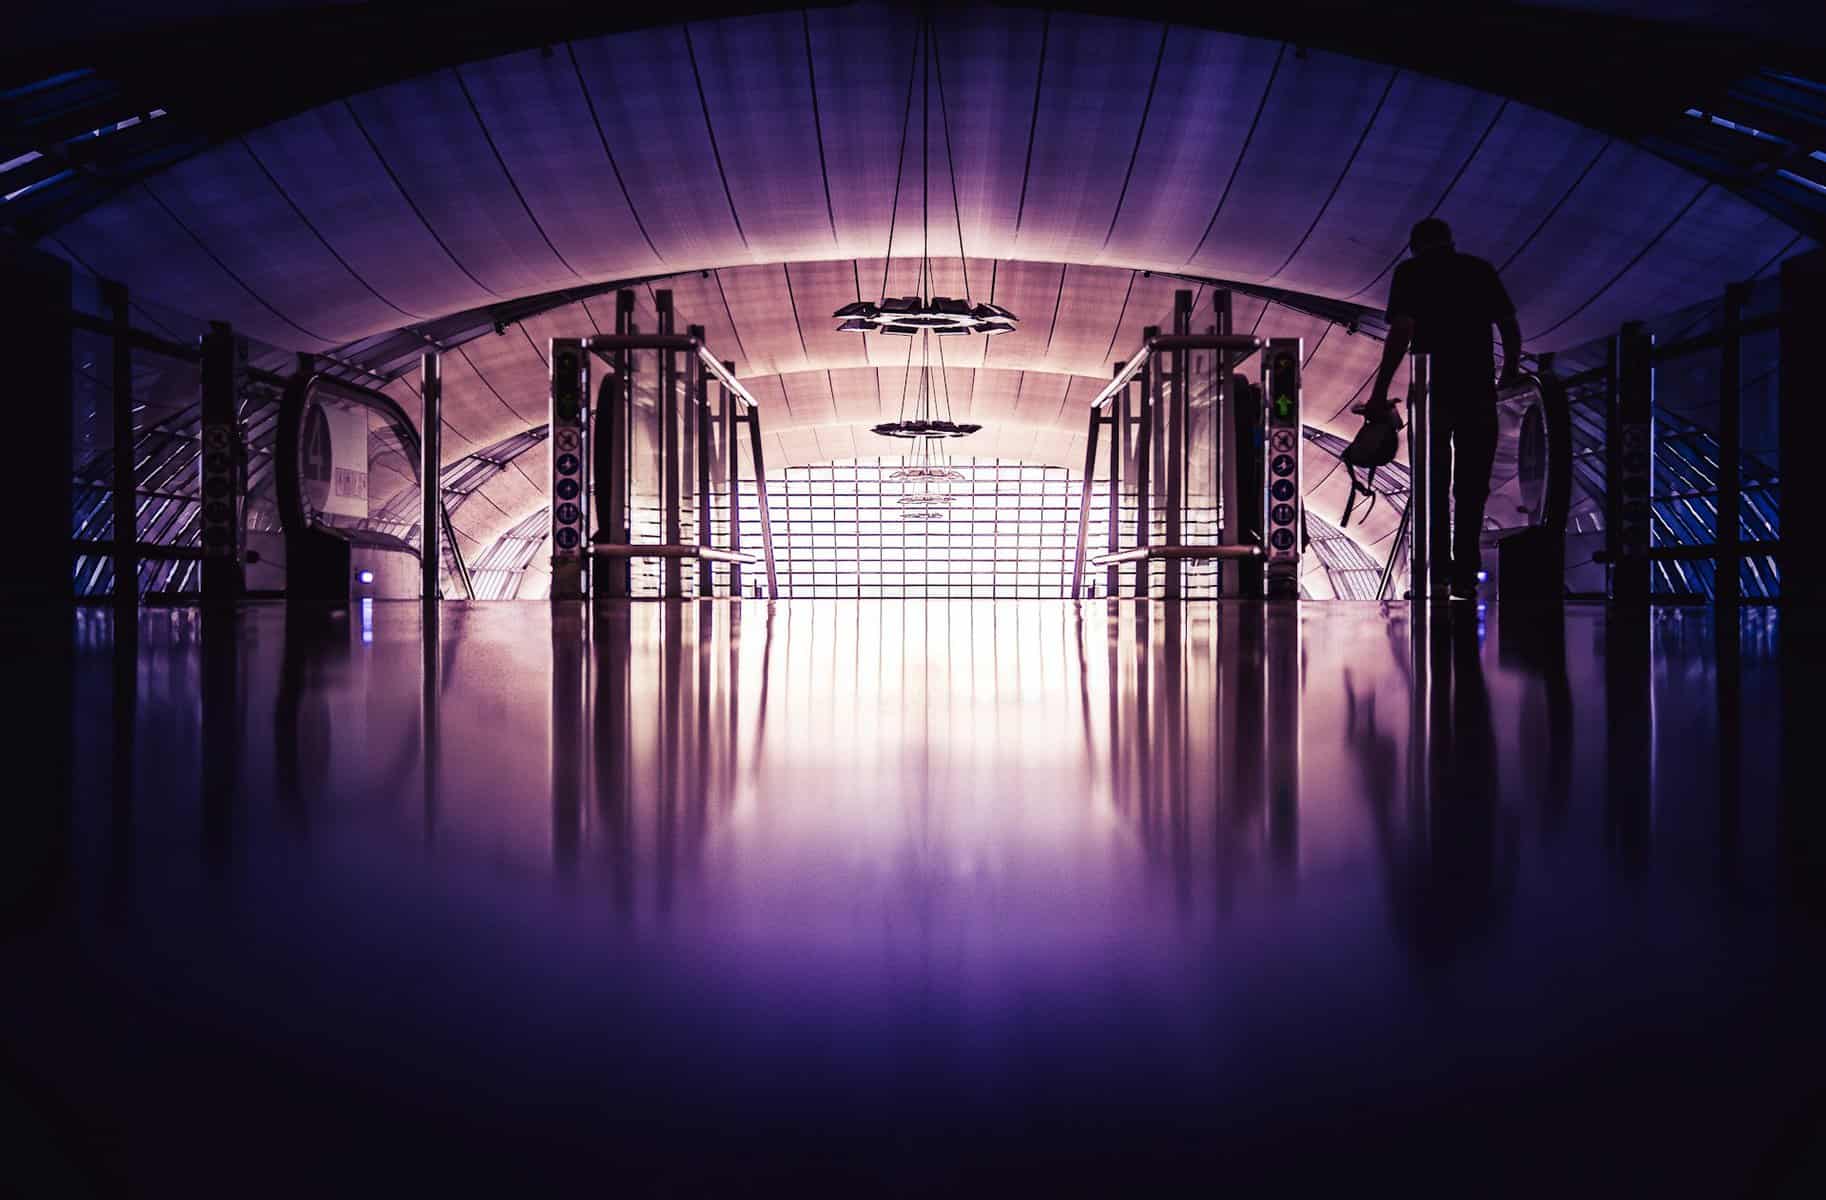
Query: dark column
(671,569)
(1246,463)
(1178,369)
(697,397)
(224,472)
(430,481)
(761,503)
(569,456)
(733,469)
(1727,580)
(1119,448)
(126,458)
(1283,518)
(1144,448)
(1803,511)
(1803,425)
(1630,464)
(36,483)
(1084,506)
(36,641)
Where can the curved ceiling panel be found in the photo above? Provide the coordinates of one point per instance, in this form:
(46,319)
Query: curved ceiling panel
(1311,120)
(428,133)
(1423,137)
(1714,238)
(991,59)
(861,69)
(254,230)
(1528,166)
(645,101)
(814,291)
(136,239)
(1097,76)
(326,166)
(755,78)
(1618,211)
(1032,291)
(761,304)
(1198,122)
(856,395)
(534,108)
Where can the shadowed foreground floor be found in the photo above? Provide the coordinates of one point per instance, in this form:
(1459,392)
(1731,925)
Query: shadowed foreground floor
(919,898)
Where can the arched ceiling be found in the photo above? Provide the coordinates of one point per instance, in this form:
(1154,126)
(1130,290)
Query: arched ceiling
(761,151)
(773,138)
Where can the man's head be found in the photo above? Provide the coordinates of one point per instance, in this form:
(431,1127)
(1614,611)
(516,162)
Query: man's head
(1430,234)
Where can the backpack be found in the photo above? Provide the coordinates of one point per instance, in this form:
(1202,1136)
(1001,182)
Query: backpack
(1374,446)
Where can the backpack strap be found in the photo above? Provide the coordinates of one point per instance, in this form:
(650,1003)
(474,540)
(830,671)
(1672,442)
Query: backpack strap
(1364,488)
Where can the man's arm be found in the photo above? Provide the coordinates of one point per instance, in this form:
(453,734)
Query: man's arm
(1401,336)
(1504,310)
(1512,349)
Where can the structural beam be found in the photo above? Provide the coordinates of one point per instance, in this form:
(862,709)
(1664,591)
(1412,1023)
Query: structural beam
(570,382)
(1630,464)
(1727,576)
(430,472)
(224,480)
(126,484)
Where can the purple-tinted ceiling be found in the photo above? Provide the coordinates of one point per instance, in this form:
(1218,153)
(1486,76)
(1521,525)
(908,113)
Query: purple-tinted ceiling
(762,150)
(1076,138)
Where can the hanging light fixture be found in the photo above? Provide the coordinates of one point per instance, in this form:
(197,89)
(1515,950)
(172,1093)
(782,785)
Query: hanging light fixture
(924,315)
(928,484)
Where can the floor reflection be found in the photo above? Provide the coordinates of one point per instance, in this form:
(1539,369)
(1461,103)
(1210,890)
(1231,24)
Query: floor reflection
(1187,878)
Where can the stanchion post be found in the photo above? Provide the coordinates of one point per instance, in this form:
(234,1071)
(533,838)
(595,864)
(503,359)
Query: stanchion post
(1420,481)
(1727,585)
(430,474)
(570,456)
(1630,446)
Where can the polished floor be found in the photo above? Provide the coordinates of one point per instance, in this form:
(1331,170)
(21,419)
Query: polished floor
(922,898)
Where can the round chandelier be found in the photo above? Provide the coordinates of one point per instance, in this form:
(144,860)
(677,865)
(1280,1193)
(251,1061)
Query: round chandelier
(909,316)
(927,481)
(922,429)
(925,313)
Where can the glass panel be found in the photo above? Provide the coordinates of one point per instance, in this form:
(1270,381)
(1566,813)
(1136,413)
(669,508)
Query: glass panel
(1005,530)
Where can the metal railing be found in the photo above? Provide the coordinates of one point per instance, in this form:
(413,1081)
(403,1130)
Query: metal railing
(665,450)
(1175,472)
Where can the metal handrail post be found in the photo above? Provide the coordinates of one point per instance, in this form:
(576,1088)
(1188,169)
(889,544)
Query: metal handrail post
(430,474)
(733,472)
(1420,482)
(1084,505)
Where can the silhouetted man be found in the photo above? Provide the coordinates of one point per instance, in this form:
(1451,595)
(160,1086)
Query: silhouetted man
(1443,304)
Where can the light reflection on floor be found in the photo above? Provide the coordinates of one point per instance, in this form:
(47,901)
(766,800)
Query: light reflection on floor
(908,890)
